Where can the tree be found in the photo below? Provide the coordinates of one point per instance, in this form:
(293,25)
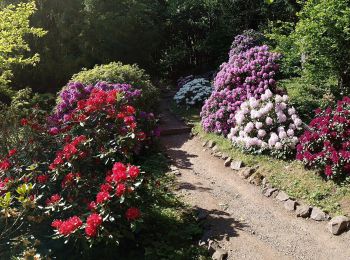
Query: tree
(323,38)
(14,27)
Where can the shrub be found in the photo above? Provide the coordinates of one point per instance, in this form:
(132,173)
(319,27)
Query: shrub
(194,93)
(247,74)
(325,145)
(266,125)
(116,72)
(78,177)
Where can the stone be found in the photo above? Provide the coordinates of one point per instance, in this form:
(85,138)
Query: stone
(220,254)
(282,196)
(228,162)
(236,165)
(269,191)
(338,225)
(318,215)
(290,205)
(204,144)
(256,179)
(246,172)
(213,246)
(218,155)
(215,149)
(176,173)
(211,144)
(173,168)
(224,156)
(303,211)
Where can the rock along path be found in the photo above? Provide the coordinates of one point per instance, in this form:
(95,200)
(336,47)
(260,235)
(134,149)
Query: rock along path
(246,224)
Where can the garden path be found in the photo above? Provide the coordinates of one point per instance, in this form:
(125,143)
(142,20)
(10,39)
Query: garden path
(246,224)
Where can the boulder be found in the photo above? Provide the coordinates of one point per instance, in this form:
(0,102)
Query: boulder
(228,162)
(290,205)
(303,211)
(338,225)
(204,143)
(282,196)
(318,215)
(220,254)
(269,192)
(224,156)
(236,165)
(256,178)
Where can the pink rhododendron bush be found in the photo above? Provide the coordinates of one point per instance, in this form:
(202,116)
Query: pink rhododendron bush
(77,179)
(267,124)
(325,145)
(247,74)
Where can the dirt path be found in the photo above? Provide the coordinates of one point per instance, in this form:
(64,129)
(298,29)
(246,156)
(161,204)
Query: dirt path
(247,224)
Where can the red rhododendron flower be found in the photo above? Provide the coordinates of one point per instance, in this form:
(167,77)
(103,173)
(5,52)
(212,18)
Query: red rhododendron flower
(5,165)
(120,189)
(133,171)
(102,196)
(24,122)
(132,214)
(56,223)
(69,226)
(53,199)
(93,222)
(12,152)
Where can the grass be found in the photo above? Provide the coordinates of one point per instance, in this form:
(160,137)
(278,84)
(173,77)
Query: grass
(190,115)
(290,176)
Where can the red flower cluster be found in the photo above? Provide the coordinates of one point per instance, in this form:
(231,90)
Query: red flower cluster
(69,150)
(53,199)
(98,100)
(326,143)
(68,226)
(132,214)
(69,179)
(93,222)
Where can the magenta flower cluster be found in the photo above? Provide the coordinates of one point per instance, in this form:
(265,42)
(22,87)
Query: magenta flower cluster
(246,75)
(325,144)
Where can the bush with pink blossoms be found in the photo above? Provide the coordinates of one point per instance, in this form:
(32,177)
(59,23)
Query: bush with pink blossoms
(246,75)
(268,124)
(325,145)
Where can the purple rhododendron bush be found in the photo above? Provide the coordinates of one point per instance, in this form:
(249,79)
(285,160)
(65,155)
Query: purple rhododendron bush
(268,124)
(325,145)
(248,73)
(74,175)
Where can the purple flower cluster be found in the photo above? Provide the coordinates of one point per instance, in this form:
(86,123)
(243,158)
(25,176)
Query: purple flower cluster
(243,42)
(246,74)
(76,91)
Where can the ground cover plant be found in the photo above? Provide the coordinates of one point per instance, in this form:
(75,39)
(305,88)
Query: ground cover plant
(193,93)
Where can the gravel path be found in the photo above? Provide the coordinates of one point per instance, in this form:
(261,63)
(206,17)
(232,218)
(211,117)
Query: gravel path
(247,224)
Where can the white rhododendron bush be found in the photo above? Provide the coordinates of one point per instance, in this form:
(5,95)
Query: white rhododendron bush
(266,125)
(194,93)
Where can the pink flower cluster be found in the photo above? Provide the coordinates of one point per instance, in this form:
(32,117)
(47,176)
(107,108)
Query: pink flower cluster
(266,124)
(246,75)
(326,143)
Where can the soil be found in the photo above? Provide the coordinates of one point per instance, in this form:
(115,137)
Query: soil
(237,215)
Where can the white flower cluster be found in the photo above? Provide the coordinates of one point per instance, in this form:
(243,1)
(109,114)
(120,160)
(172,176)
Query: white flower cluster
(194,92)
(266,124)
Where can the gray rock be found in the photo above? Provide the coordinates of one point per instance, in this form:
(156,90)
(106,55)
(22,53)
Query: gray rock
(282,196)
(318,215)
(269,191)
(256,179)
(211,144)
(176,173)
(204,143)
(213,246)
(290,205)
(228,162)
(303,211)
(246,172)
(236,165)
(224,156)
(173,168)
(218,155)
(338,225)
(220,254)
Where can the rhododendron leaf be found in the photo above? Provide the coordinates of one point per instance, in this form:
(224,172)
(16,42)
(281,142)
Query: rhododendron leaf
(5,201)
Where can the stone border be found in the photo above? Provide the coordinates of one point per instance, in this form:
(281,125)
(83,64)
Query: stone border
(335,225)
